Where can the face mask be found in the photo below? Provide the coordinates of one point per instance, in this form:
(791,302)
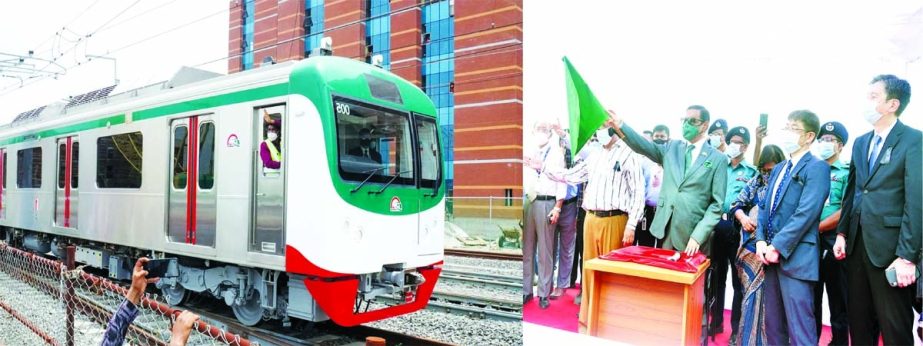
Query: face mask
(732,150)
(823,150)
(714,141)
(660,141)
(871,114)
(690,131)
(543,138)
(789,141)
(272,136)
(602,135)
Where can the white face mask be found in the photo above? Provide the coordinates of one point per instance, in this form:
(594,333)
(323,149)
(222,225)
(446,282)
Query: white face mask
(789,142)
(272,136)
(732,150)
(823,150)
(871,114)
(715,141)
(543,138)
(602,135)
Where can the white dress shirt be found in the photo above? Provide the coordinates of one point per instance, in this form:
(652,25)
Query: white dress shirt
(884,136)
(775,185)
(552,157)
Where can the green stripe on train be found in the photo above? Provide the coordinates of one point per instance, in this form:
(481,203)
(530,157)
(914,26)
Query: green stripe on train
(65,130)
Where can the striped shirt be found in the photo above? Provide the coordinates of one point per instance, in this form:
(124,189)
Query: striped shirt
(614,181)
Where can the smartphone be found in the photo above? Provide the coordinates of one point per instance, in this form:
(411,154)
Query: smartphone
(764,118)
(162,268)
(891,275)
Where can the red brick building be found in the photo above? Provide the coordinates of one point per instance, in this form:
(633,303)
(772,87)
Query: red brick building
(466,54)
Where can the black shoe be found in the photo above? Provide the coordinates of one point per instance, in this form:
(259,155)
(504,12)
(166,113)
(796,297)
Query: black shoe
(543,302)
(526,298)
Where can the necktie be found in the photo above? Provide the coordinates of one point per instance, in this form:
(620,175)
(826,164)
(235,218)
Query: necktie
(776,198)
(365,152)
(874,156)
(689,150)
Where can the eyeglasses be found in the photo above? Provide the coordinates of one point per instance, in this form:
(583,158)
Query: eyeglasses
(693,121)
(792,129)
(828,140)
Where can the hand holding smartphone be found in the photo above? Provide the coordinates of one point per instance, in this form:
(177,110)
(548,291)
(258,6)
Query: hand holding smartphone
(162,268)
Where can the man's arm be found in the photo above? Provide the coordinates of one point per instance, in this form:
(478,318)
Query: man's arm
(640,145)
(830,222)
(846,206)
(816,178)
(908,246)
(577,174)
(636,186)
(706,226)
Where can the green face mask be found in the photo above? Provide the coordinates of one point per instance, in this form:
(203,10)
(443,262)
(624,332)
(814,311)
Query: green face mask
(690,131)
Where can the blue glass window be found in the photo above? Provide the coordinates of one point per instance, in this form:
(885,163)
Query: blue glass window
(378,30)
(314,25)
(438,71)
(246,46)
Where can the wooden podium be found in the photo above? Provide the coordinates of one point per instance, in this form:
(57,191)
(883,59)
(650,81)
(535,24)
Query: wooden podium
(644,305)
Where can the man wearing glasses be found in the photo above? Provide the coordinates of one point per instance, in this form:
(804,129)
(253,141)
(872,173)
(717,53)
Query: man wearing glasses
(787,237)
(694,182)
(833,137)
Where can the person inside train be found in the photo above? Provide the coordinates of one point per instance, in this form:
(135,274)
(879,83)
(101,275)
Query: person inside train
(365,146)
(269,149)
(128,310)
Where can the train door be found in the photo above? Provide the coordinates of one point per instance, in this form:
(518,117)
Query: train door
(65,214)
(193,201)
(429,229)
(3,183)
(267,233)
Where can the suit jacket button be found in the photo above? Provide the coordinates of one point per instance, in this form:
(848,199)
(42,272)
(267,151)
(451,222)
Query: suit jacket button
(865,191)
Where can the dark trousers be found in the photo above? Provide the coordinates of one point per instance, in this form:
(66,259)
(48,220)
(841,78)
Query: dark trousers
(832,276)
(725,242)
(577,267)
(643,236)
(870,295)
(788,308)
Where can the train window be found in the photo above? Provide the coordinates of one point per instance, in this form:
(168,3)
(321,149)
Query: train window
(430,163)
(62,156)
(383,90)
(75,164)
(179,157)
(374,143)
(206,168)
(118,160)
(29,168)
(4,170)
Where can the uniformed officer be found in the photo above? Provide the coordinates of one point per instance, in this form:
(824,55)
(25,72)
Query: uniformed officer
(727,234)
(830,142)
(717,133)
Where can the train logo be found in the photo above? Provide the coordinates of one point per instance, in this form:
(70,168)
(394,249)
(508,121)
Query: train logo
(233,141)
(396,205)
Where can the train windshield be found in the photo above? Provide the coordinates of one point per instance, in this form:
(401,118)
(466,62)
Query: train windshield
(374,143)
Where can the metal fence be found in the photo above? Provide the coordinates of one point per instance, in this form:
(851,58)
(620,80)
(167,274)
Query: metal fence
(504,208)
(44,302)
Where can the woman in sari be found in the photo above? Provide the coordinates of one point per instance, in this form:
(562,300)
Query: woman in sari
(749,267)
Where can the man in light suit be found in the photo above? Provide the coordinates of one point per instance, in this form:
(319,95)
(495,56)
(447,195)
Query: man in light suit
(787,236)
(880,223)
(693,186)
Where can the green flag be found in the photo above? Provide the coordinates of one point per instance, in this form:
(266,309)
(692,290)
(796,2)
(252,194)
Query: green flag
(586,113)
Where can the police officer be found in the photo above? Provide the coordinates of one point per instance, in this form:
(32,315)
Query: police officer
(716,134)
(830,142)
(727,234)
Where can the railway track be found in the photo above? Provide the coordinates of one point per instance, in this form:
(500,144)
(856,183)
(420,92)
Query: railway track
(484,254)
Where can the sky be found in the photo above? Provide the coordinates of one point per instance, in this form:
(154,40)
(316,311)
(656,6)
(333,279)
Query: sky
(149,39)
(649,60)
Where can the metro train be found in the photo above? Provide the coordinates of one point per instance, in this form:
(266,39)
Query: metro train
(353,213)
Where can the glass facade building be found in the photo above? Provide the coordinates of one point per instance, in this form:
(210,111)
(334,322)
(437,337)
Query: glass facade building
(246,45)
(313,24)
(438,70)
(378,30)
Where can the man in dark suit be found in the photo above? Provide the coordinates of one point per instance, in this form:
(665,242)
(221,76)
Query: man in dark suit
(787,236)
(365,147)
(880,223)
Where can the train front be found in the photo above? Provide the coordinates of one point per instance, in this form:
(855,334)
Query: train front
(365,195)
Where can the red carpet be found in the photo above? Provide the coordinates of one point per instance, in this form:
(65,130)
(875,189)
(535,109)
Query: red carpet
(562,314)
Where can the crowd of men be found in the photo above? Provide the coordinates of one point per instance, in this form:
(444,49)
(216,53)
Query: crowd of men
(795,222)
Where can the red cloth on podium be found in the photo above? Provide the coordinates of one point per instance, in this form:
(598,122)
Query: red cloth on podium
(661,258)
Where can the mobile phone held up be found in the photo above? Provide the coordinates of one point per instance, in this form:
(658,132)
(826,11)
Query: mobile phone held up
(162,268)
